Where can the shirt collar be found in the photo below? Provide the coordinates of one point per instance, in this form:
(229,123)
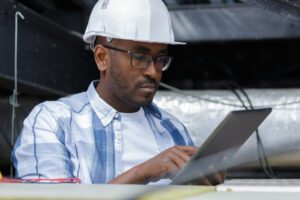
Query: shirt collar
(106,113)
(153,110)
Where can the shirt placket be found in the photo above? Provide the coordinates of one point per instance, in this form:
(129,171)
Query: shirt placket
(118,142)
(163,139)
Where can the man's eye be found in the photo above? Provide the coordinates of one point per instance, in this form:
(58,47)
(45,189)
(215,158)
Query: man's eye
(140,57)
(162,59)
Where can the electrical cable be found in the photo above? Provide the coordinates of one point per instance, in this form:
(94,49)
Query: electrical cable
(179,91)
(239,98)
(261,154)
(263,162)
(261,150)
(284,104)
(260,147)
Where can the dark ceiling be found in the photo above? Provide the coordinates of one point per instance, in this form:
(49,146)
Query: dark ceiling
(228,42)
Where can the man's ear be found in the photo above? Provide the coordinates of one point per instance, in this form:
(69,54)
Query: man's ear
(101,57)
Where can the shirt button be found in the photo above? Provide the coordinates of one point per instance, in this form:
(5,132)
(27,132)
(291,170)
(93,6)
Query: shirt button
(118,126)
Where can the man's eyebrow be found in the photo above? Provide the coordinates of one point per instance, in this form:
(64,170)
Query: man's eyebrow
(145,49)
(164,51)
(140,48)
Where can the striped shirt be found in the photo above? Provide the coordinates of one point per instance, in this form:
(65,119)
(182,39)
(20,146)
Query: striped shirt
(76,136)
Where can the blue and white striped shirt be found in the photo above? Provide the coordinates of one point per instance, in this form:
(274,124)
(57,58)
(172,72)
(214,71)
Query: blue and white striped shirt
(75,137)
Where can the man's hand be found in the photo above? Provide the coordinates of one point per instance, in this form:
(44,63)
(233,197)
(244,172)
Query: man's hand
(164,165)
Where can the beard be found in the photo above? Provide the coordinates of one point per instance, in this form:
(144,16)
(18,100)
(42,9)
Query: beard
(127,91)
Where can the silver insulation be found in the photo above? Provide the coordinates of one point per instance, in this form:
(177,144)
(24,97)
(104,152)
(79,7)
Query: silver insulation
(279,132)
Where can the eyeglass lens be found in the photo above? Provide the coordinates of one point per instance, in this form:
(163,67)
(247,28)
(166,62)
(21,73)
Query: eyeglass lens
(142,60)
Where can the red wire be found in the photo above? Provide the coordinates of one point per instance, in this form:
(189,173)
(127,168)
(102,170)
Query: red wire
(40,180)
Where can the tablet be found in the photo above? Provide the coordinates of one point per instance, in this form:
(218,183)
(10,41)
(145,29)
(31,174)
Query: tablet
(225,140)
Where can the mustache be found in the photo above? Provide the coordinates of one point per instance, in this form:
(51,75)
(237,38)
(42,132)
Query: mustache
(147,81)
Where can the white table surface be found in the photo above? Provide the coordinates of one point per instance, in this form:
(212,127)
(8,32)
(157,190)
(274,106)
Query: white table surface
(231,190)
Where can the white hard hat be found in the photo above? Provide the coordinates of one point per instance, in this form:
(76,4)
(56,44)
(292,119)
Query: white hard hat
(137,20)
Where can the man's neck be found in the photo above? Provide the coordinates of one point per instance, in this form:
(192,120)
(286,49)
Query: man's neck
(124,108)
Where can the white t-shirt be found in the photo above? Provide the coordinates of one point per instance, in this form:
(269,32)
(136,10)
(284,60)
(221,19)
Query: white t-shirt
(139,143)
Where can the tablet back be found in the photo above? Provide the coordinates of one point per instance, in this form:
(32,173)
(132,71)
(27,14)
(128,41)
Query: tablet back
(225,140)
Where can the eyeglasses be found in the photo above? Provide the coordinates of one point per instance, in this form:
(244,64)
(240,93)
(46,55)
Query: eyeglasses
(143,60)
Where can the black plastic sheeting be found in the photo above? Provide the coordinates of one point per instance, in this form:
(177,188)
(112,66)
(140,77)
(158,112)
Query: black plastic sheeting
(6,146)
(52,60)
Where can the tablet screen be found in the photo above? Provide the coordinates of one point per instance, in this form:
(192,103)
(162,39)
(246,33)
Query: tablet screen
(225,140)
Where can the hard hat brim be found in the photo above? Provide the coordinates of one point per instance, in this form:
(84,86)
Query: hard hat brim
(89,37)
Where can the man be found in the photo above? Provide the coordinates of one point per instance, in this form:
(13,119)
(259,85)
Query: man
(112,133)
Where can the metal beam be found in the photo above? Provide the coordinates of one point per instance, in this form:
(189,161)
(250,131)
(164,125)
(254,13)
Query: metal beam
(236,22)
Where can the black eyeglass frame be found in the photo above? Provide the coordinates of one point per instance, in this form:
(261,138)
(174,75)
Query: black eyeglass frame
(153,58)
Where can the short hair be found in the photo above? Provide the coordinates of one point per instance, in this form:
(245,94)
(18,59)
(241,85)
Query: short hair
(100,40)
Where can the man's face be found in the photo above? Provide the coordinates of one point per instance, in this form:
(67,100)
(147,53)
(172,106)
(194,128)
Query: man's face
(128,87)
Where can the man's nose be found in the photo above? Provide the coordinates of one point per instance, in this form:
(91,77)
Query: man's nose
(152,71)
